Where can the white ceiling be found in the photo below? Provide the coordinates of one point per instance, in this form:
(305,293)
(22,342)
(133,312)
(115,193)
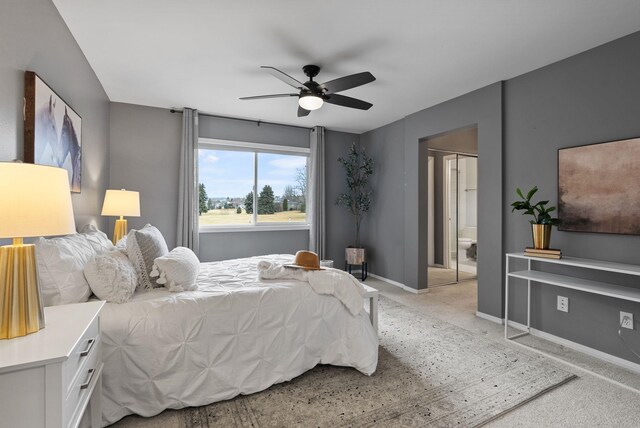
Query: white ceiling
(205,54)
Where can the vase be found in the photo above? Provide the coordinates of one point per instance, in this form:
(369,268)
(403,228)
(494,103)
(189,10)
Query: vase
(541,236)
(354,256)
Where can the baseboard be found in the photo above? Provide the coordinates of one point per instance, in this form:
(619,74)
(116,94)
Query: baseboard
(612,359)
(489,317)
(398,284)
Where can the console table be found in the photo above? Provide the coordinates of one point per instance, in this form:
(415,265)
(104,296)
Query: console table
(565,281)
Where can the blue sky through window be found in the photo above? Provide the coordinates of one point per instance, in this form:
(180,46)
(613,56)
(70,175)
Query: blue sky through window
(230,174)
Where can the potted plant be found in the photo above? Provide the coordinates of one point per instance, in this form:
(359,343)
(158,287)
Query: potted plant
(542,220)
(358,168)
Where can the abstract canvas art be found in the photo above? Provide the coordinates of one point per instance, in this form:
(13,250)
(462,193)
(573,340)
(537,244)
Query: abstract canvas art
(599,187)
(52,130)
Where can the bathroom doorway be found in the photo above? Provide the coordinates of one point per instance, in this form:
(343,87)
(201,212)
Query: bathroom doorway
(453,214)
(452,250)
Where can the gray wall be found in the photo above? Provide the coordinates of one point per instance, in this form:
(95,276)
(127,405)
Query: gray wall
(401,254)
(341,226)
(34,37)
(588,98)
(232,245)
(145,156)
(383,229)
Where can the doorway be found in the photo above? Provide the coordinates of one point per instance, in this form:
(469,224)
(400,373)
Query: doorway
(453,214)
(452,207)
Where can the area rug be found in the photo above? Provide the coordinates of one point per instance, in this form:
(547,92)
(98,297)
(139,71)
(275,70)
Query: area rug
(430,373)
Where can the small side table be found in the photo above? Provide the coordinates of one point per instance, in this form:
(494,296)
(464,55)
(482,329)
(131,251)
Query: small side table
(364,269)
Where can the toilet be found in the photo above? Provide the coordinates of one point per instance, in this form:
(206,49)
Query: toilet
(467,240)
(465,243)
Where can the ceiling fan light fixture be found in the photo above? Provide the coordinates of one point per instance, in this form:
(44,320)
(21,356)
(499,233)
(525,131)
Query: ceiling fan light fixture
(310,102)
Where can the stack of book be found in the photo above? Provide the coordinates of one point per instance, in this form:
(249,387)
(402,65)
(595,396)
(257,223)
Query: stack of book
(547,254)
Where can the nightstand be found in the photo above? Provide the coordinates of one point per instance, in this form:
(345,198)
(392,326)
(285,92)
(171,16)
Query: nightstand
(48,378)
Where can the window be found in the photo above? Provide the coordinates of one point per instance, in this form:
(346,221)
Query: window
(245,186)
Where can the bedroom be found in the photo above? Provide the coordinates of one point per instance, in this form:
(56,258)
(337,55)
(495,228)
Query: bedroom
(567,79)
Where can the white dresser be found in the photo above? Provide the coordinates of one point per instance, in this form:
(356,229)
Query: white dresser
(47,379)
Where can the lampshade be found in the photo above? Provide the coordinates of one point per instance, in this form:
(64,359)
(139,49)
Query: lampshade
(310,102)
(35,200)
(121,203)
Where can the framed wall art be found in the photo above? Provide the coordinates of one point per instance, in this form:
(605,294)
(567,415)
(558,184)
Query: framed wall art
(599,187)
(52,130)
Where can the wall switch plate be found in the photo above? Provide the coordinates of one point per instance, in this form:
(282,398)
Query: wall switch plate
(626,320)
(563,304)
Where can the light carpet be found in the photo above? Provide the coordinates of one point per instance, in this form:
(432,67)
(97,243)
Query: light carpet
(430,373)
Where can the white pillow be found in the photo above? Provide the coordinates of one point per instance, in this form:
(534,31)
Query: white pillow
(97,239)
(143,247)
(111,277)
(122,244)
(60,264)
(177,270)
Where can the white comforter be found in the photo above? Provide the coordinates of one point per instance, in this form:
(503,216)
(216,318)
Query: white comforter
(234,335)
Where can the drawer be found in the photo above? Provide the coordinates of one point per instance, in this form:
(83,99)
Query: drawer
(78,394)
(84,349)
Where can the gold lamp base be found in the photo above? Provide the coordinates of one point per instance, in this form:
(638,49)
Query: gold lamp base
(119,230)
(21,311)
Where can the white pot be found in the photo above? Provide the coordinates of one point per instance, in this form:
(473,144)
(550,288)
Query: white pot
(354,256)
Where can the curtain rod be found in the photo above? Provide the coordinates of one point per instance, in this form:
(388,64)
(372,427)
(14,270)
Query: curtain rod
(257,122)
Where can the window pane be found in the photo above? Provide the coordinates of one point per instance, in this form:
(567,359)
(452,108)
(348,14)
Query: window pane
(282,188)
(227,177)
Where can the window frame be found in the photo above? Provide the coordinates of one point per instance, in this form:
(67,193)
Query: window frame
(255,148)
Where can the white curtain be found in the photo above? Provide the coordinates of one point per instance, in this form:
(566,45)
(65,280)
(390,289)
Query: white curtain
(316,202)
(188,183)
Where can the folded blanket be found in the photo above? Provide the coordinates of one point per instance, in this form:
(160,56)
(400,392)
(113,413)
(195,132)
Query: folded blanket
(340,284)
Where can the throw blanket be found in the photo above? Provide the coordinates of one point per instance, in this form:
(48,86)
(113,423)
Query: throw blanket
(340,284)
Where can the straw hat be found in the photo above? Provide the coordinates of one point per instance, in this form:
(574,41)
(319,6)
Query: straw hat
(307,260)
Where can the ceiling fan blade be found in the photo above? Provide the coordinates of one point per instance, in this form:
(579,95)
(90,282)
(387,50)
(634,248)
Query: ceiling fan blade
(302,112)
(260,97)
(284,77)
(348,82)
(344,101)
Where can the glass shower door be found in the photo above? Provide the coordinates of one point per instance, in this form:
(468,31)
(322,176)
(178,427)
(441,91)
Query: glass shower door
(467,222)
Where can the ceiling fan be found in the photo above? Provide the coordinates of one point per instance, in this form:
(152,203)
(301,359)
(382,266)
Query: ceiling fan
(313,94)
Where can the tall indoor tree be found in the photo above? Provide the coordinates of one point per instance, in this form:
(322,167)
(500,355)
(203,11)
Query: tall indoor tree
(358,168)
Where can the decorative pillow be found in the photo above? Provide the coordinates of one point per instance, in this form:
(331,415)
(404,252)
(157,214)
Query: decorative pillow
(122,244)
(97,239)
(143,247)
(177,270)
(60,263)
(111,277)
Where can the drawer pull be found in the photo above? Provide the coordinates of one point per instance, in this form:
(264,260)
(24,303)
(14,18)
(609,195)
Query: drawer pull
(89,346)
(86,384)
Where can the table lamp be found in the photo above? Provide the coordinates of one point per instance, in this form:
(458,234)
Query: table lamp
(35,200)
(121,203)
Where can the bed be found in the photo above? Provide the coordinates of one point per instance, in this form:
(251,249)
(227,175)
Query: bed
(234,335)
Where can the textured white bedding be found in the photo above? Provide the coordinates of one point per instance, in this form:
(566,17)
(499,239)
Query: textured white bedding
(234,335)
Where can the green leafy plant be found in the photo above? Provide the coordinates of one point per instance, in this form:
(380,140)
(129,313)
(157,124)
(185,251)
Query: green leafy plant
(539,210)
(358,168)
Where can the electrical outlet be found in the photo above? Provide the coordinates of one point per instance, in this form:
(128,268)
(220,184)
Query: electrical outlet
(563,304)
(626,320)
